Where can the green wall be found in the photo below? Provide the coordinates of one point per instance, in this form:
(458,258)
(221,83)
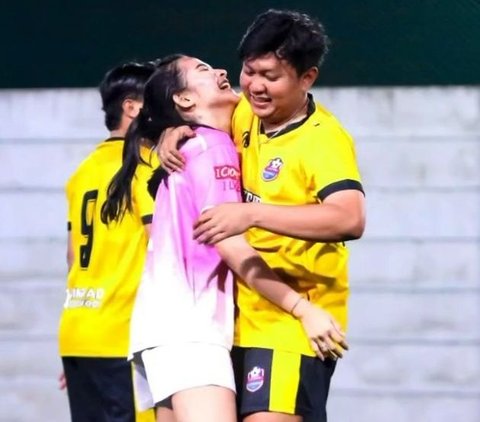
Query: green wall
(374,42)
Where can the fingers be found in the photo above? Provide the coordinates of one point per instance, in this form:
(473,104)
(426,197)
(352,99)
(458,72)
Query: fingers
(318,351)
(329,345)
(201,229)
(339,339)
(172,161)
(328,349)
(185,132)
(62,382)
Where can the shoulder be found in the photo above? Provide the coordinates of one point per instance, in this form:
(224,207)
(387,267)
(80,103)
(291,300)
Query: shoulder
(242,109)
(206,139)
(323,124)
(242,119)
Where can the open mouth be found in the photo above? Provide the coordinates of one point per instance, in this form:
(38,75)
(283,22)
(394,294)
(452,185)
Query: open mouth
(259,100)
(224,85)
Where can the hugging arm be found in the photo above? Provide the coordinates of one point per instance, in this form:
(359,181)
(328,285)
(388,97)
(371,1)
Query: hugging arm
(325,335)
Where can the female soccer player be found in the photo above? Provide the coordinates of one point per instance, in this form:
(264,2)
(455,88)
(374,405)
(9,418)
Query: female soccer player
(182,324)
(94,325)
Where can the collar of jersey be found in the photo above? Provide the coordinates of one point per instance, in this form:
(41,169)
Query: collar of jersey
(114,138)
(310,110)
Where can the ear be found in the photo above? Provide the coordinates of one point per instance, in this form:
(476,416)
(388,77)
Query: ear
(183,101)
(308,78)
(131,107)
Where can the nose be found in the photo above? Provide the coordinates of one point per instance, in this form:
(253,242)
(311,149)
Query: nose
(222,73)
(256,86)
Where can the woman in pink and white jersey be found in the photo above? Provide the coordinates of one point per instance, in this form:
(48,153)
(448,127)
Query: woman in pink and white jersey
(182,323)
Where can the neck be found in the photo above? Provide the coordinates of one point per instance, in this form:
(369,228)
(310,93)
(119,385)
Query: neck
(121,130)
(118,133)
(220,118)
(298,113)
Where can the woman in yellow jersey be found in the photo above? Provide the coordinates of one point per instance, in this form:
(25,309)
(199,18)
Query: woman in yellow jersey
(105,264)
(305,198)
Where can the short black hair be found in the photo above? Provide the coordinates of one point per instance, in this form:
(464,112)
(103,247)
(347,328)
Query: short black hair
(120,83)
(292,36)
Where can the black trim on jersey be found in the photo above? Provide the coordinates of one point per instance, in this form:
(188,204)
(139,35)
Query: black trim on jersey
(69,226)
(346,184)
(310,110)
(147,219)
(114,138)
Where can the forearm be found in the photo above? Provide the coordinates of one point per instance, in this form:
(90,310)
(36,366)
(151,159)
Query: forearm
(70,256)
(252,269)
(325,222)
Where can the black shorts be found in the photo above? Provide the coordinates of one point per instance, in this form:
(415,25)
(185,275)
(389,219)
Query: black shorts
(101,390)
(275,381)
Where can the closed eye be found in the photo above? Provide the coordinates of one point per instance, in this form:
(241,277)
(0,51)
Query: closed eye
(202,67)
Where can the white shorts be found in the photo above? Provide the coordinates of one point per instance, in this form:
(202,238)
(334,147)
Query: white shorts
(163,371)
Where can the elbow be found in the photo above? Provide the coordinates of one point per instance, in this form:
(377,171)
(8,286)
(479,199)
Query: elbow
(355,228)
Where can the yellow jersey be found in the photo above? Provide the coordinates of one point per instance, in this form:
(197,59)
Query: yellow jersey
(108,260)
(302,164)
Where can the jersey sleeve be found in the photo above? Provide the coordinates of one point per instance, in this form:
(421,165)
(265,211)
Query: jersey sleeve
(143,200)
(215,177)
(332,165)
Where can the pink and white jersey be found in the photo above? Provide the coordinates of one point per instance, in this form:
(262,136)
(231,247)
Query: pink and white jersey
(186,292)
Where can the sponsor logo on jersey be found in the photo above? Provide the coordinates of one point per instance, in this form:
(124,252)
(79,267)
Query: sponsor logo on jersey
(271,171)
(227,172)
(255,379)
(229,176)
(85,297)
(250,196)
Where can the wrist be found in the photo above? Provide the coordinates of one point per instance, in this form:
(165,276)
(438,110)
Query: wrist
(253,212)
(299,308)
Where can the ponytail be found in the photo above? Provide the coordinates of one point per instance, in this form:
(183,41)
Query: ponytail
(119,192)
(158,113)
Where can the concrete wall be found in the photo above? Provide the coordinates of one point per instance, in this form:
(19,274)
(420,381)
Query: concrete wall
(415,303)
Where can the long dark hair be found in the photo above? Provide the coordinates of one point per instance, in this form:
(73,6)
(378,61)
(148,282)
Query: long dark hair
(157,114)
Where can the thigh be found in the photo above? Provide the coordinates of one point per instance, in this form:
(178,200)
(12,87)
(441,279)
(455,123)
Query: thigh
(83,396)
(208,403)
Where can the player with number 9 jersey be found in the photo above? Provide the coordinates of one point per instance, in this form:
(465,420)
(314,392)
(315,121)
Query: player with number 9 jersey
(108,259)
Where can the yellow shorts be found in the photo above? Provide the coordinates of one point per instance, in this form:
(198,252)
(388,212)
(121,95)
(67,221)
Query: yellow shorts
(276,381)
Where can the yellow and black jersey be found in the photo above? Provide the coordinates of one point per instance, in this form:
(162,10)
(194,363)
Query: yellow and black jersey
(302,164)
(108,260)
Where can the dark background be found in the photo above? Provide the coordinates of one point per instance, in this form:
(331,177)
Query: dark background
(374,42)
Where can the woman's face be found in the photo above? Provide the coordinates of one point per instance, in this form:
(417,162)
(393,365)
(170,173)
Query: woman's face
(205,86)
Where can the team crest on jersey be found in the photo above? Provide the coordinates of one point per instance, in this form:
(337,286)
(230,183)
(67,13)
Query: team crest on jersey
(272,170)
(255,379)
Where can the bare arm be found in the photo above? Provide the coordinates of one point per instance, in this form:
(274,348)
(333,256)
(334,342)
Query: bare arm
(70,253)
(340,217)
(148,228)
(322,330)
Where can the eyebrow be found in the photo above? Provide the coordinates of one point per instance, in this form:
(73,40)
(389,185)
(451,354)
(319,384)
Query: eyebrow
(201,65)
(261,71)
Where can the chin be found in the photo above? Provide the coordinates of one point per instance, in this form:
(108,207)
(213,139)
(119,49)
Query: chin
(262,113)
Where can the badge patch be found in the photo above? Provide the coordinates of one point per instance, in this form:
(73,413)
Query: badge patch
(272,170)
(255,379)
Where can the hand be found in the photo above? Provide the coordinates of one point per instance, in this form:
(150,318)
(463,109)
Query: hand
(62,381)
(168,153)
(325,334)
(222,221)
